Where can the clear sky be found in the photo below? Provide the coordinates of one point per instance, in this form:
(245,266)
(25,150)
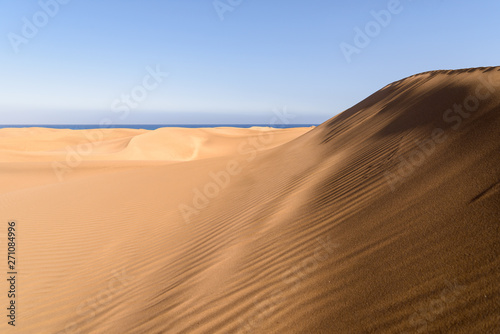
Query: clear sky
(79,61)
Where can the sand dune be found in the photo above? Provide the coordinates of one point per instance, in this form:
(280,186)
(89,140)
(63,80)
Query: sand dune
(385,219)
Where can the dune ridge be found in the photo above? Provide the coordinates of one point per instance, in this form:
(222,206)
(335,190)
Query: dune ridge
(384,219)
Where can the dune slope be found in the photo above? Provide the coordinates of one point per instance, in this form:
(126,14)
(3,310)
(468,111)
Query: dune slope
(385,219)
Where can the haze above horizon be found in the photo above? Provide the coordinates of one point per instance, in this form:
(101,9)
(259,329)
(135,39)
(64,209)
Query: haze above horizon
(239,61)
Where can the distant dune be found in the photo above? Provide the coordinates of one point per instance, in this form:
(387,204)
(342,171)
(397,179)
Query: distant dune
(384,219)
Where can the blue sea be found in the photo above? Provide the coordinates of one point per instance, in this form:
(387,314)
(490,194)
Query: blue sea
(150,126)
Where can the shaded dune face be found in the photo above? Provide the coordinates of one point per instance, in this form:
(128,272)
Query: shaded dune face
(417,199)
(384,219)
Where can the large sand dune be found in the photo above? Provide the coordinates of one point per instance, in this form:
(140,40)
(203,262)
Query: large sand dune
(385,219)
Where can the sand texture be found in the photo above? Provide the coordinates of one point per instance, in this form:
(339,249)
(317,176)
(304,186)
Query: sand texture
(384,219)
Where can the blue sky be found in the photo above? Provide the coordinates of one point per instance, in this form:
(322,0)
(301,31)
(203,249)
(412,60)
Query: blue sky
(84,58)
